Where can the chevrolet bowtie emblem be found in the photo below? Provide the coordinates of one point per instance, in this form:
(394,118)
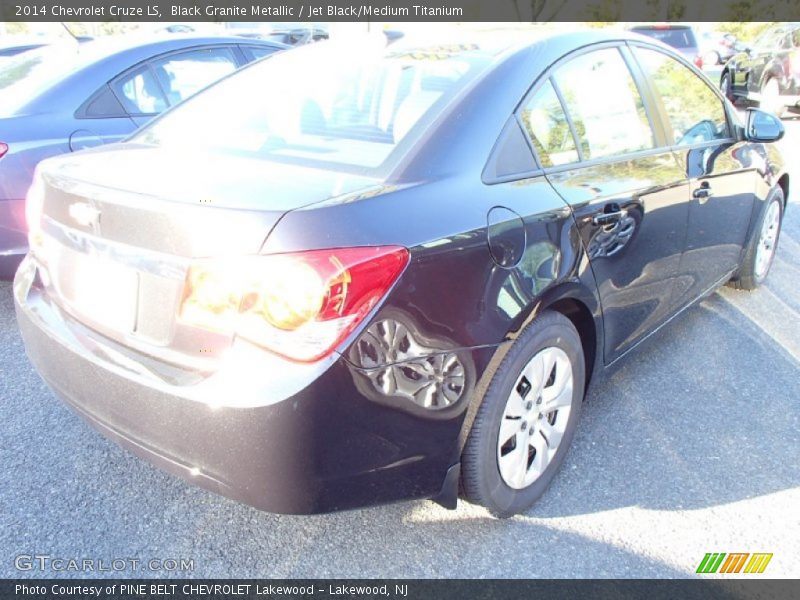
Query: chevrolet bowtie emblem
(85,214)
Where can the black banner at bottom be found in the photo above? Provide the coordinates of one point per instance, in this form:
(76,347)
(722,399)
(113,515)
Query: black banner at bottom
(396,589)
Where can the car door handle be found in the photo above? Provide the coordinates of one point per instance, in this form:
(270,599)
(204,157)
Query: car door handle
(703,193)
(608,218)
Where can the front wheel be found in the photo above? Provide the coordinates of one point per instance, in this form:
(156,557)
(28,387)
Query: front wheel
(711,58)
(763,243)
(527,419)
(725,87)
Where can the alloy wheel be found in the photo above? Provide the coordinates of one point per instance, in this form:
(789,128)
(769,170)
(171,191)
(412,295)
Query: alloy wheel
(768,239)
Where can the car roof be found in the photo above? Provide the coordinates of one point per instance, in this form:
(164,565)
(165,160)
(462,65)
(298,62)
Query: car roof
(156,44)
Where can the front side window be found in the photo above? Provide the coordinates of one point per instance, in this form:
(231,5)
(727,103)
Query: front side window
(769,39)
(695,112)
(548,129)
(604,103)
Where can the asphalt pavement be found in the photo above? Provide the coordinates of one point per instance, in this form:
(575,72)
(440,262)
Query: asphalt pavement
(691,447)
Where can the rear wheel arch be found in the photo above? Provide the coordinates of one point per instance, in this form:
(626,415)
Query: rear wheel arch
(585,323)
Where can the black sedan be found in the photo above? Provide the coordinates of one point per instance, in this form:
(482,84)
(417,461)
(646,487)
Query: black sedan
(768,73)
(395,276)
(69,96)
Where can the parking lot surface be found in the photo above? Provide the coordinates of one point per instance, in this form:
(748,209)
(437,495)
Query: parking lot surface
(691,447)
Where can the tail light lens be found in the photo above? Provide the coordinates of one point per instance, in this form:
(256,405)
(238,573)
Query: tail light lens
(299,305)
(3,149)
(698,60)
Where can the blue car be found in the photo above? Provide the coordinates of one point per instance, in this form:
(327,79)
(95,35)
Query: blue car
(63,98)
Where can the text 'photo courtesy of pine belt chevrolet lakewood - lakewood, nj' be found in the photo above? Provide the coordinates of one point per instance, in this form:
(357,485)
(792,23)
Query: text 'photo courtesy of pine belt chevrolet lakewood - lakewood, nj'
(394,276)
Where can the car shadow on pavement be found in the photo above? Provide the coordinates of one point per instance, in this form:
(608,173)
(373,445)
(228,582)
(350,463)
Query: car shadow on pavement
(704,414)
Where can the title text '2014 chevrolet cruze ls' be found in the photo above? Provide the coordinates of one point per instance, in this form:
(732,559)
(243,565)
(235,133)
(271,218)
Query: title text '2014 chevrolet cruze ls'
(347,275)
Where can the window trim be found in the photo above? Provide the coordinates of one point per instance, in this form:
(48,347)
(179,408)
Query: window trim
(570,123)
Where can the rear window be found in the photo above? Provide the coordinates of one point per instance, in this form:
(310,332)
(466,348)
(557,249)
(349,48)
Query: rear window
(677,38)
(25,76)
(337,105)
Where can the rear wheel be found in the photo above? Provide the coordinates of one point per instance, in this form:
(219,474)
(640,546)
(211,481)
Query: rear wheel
(527,419)
(763,243)
(771,98)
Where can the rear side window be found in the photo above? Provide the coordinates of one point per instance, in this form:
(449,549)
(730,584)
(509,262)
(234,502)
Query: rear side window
(695,112)
(182,75)
(548,129)
(604,104)
(255,52)
(140,93)
(104,104)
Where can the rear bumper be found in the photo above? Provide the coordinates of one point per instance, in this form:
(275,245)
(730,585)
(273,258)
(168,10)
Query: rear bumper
(13,237)
(326,447)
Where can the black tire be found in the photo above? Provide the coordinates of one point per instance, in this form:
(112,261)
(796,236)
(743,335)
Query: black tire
(481,480)
(778,108)
(725,87)
(747,278)
(711,58)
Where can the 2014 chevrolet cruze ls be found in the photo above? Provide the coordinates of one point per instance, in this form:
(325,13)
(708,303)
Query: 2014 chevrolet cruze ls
(347,276)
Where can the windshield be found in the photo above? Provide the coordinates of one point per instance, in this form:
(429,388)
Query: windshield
(329,105)
(677,38)
(770,38)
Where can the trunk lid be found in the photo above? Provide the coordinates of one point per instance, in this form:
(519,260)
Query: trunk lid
(182,204)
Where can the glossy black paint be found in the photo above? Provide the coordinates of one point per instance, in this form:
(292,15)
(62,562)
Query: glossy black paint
(604,242)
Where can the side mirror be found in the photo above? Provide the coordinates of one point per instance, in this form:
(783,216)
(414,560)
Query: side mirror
(762,126)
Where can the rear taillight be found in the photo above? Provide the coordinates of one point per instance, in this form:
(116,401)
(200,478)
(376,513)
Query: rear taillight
(299,305)
(3,149)
(698,60)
